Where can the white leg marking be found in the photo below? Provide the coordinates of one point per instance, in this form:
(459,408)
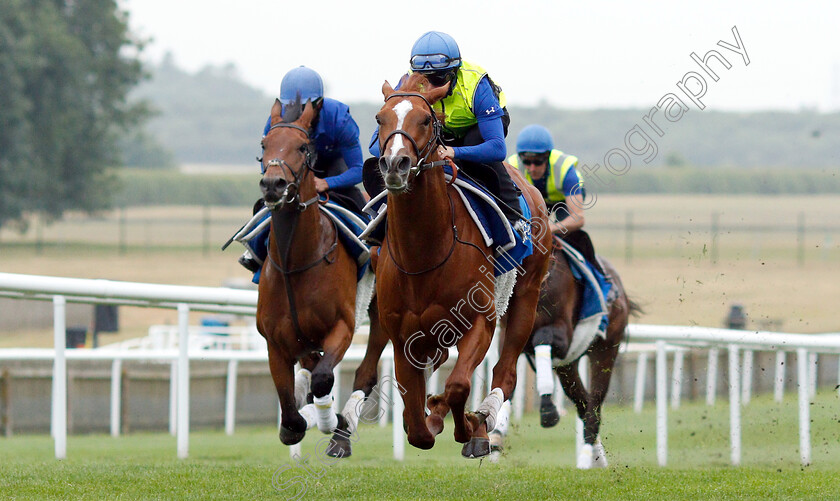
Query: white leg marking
(401,109)
(600,460)
(584,460)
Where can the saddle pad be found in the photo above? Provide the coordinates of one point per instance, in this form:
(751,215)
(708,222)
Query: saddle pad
(349,226)
(509,248)
(596,288)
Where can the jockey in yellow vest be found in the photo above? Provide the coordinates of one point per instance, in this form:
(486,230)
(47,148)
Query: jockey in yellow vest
(554,174)
(476,120)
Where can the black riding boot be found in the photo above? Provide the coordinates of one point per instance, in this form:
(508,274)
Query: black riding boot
(580,240)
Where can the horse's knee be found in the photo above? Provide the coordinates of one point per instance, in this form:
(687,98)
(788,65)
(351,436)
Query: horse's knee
(322,383)
(457,393)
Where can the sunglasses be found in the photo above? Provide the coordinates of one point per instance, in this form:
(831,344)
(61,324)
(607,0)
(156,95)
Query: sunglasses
(534,161)
(433,61)
(437,79)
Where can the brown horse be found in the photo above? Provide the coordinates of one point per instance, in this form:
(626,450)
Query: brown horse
(557,315)
(433,281)
(307,290)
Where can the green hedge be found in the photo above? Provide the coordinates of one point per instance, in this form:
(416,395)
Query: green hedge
(156,187)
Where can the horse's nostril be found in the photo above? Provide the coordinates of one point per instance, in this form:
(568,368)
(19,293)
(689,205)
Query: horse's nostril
(404,164)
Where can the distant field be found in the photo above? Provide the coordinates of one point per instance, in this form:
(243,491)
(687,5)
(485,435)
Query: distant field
(670,272)
(538,464)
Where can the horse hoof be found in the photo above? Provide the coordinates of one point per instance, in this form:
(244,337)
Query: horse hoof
(289,437)
(476,448)
(548,412)
(424,443)
(339,447)
(435,424)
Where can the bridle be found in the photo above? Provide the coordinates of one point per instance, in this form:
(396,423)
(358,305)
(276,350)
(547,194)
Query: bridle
(299,176)
(297,208)
(434,140)
(423,164)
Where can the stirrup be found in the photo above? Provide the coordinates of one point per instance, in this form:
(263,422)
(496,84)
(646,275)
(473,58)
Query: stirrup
(248,261)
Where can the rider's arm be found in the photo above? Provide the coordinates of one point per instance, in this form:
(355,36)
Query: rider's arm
(351,151)
(574,193)
(489,114)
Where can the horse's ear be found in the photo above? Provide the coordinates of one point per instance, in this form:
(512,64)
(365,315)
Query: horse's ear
(307,115)
(277,109)
(435,94)
(387,90)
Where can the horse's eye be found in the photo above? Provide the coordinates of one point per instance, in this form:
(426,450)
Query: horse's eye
(302,148)
(427,121)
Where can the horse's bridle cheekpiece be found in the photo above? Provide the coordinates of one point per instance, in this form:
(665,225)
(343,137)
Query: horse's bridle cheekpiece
(307,168)
(422,154)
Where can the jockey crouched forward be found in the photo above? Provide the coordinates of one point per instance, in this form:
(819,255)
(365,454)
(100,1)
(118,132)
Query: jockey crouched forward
(476,120)
(553,173)
(339,154)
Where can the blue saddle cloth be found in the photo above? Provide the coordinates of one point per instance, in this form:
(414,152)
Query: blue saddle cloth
(510,248)
(350,226)
(596,287)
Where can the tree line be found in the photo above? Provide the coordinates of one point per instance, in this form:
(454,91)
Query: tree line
(66,68)
(77,104)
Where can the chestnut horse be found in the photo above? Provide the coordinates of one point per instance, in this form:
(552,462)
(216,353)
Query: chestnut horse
(307,290)
(433,260)
(557,314)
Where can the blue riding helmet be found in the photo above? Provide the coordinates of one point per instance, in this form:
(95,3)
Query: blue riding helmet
(301,80)
(534,139)
(435,51)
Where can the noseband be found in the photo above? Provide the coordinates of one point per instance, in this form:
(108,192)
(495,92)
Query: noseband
(298,178)
(422,154)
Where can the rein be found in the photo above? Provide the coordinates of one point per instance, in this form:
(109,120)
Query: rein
(301,206)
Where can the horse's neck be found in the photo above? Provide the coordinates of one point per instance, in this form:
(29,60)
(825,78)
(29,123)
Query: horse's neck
(305,246)
(420,220)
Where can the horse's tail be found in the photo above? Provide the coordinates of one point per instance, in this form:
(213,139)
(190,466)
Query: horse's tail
(635,308)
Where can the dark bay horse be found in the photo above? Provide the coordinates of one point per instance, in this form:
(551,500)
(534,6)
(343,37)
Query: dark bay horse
(557,316)
(435,280)
(307,290)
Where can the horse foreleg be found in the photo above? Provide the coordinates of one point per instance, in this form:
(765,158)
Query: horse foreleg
(366,374)
(413,381)
(471,351)
(363,383)
(520,322)
(335,344)
(293,426)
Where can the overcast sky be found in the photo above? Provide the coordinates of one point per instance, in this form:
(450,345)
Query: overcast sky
(571,54)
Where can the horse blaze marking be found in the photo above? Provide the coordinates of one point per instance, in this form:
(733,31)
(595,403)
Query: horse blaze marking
(401,109)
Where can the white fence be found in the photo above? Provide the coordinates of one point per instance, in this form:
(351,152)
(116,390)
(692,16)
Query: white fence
(184,299)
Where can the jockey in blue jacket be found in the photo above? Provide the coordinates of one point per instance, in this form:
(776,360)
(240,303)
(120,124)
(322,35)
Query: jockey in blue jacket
(339,154)
(476,120)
